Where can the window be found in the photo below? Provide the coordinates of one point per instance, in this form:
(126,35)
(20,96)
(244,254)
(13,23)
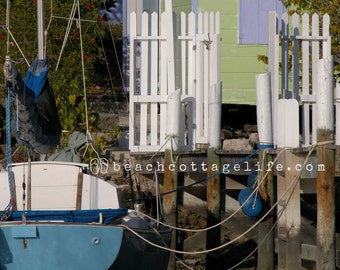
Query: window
(253,20)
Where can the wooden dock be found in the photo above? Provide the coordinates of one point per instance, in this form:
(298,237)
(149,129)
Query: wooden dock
(193,174)
(170,119)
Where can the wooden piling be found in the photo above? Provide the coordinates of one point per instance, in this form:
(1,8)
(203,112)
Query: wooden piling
(281,222)
(170,200)
(171,168)
(265,258)
(264,109)
(337,110)
(265,130)
(292,211)
(288,187)
(213,237)
(325,232)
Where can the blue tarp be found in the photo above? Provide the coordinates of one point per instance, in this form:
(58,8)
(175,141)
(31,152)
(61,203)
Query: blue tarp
(79,216)
(36,76)
(35,119)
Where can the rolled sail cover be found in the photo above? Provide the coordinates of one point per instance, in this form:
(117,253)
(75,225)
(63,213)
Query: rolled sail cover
(35,120)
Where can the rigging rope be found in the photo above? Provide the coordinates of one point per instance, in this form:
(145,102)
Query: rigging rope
(115,49)
(291,186)
(108,69)
(230,216)
(67,33)
(16,43)
(8,208)
(8,131)
(281,211)
(98,164)
(101,161)
(211,176)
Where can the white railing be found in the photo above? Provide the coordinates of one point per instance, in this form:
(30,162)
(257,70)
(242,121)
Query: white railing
(299,45)
(196,56)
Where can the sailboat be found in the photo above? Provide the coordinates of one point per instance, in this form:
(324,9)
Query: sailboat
(58,214)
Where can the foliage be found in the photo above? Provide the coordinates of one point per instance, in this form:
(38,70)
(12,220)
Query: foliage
(116,134)
(70,80)
(321,7)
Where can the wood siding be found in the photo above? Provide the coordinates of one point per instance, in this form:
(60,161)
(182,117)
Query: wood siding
(239,64)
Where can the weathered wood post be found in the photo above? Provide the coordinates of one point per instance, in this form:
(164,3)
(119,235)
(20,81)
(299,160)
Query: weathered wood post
(337,160)
(171,168)
(289,223)
(293,212)
(213,237)
(337,109)
(325,232)
(173,127)
(265,130)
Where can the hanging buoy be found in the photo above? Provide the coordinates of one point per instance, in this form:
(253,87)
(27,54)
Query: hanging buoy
(253,206)
(252,179)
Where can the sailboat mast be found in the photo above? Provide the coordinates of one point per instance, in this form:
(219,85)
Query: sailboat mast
(41,28)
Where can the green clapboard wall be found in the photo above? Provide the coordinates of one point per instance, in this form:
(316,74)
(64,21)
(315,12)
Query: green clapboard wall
(239,63)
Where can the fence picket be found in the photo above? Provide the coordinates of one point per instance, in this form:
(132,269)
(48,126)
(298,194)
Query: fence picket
(213,66)
(183,50)
(197,66)
(183,73)
(305,82)
(144,82)
(206,73)
(315,57)
(199,81)
(163,80)
(191,121)
(191,53)
(304,71)
(154,79)
(273,63)
(132,82)
(295,55)
(326,44)
(284,47)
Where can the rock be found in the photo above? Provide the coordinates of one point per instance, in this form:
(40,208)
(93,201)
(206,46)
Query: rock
(250,128)
(226,134)
(239,133)
(241,144)
(254,138)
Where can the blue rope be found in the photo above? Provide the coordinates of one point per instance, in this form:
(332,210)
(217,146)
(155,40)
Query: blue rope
(8,144)
(265,145)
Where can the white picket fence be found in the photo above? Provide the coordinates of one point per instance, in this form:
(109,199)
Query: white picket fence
(303,88)
(193,57)
(298,76)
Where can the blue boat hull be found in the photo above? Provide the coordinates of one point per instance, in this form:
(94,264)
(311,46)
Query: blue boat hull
(58,246)
(135,253)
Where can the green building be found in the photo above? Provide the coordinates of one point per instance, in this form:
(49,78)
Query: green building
(244,36)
